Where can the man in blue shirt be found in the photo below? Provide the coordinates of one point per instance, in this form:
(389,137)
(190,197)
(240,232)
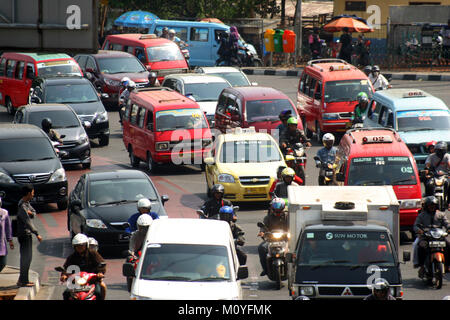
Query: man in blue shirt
(144,205)
(326,155)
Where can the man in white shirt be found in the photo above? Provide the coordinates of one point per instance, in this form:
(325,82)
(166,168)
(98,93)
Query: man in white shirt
(378,81)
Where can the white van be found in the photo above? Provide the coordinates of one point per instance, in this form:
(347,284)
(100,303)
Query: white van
(187,259)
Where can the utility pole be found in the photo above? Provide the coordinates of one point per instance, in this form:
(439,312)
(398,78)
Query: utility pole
(298,30)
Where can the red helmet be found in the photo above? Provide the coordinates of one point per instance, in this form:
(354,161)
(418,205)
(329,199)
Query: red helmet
(430,144)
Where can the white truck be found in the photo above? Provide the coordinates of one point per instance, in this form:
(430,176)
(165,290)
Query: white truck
(341,240)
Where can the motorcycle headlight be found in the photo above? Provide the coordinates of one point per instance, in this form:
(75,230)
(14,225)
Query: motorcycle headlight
(439,182)
(58,176)
(101,117)
(95,223)
(113,83)
(227,178)
(410,204)
(277,235)
(436,233)
(4,178)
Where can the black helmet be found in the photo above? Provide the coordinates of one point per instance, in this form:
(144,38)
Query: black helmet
(46,123)
(367,70)
(441,148)
(285,114)
(430,201)
(152,75)
(218,188)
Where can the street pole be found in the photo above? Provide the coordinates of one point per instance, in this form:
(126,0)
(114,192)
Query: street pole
(298,30)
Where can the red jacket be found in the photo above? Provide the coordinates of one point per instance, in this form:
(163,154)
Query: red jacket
(296,179)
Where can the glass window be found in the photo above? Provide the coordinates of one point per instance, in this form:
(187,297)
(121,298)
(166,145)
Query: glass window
(205,91)
(249,151)
(169,52)
(27,149)
(180,119)
(355,6)
(60,119)
(267,110)
(82,61)
(106,45)
(141,117)
(180,32)
(115,46)
(199,34)
(380,171)
(130,50)
(140,54)
(150,121)
(185,262)
(70,93)
(69,67)
(10,67)
(19,70)
(236,79)
(120,65)
(134,113)
(30,71)
(90,64)
(312,87)
(2,67)
(346,90)
(423,120)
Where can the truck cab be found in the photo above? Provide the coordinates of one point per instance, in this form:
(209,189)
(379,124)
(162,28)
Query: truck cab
(342,240)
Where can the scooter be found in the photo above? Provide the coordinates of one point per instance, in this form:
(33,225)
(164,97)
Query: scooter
(433,240)
(277,241)
(439,179)
(131,260)
(329,170)
(298,152)
(81,286)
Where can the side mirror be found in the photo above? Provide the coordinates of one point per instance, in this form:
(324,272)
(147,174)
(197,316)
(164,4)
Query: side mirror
(128,270)
(340,177)
(75,204)
(242,273)
(164,198)
(209,161)
(406,256)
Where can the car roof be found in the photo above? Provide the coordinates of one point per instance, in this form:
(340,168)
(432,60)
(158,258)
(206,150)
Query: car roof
(239,136)
(142,38)
(9,131)
(46,107)
(111,54)
(348,226)
(115,174)
(396,99)
(175,23)
(220,69)
(358,149)
(189,231)
(163,99)
(63,79)
(197,78)
(323,71)
(38,57)
(257,92)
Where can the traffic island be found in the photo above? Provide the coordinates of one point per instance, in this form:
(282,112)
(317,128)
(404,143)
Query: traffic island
(8,285)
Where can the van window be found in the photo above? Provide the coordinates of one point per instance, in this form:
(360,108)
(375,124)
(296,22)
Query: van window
(306,82)
(134,113)
(127,111)
(318,92)
(82,62)
(140,54)
(19,70)
(106,44)
(312,86)
(264,110)
(199,34)
(10,67)
(150,121)
(116,46)
(167,52)
(129,49)
(374,111)
(141,117)
(90,64)
(30,71)
(180,32)
(384,115)
(2,67)
(217,34)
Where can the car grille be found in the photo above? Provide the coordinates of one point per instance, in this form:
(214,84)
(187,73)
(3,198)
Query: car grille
(345,115)
(338,291)
(32,178)
(68,145)
(252,181)
(185,145)
(85,117)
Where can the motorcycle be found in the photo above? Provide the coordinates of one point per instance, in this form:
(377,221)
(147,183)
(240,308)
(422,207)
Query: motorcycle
(439,179)
(131,260)
(81,286)
(59,152)
(297,150)
(277,241)
(328,169)
(249,57)
(433,240)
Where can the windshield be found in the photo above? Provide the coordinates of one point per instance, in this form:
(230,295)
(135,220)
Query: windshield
(346,90)
(180,119)
(120,65)
(267,110)
(120,190)
(164,53)
(379,171)
(60,119)
(185,262)
(70,93)
(66,67)
(249,151)
(234,78)
(346,248)
(27,149)
(205,91)
(423,120)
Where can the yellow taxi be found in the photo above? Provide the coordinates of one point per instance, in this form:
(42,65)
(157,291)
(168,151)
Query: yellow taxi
(245,163)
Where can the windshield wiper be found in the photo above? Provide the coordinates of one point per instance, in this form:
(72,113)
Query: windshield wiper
(210,279)
(400,181)
(174,278)
(369,182)
(115,202)
(328,262)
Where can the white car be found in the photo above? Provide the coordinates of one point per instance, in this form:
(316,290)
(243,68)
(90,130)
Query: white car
(202,88)
(233,75)
(187,259)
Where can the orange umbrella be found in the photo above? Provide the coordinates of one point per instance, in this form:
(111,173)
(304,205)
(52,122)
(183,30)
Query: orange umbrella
(353,25)
(211,20)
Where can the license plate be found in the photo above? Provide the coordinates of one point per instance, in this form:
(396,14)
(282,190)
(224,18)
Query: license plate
(329,173)
(255,190)
(437,244)
(124,237)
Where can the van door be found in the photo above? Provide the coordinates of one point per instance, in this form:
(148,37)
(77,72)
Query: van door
(150,132)
(139,137)
(200,46)
(22,85)
(373,114)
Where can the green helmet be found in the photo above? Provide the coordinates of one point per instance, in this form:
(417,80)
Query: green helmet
(292,120)
(362,97)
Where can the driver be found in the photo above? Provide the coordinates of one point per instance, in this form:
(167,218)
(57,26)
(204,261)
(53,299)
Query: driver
(438,163)
(292,135)
(144,205)
(46,125)
(380,291)
(212,207)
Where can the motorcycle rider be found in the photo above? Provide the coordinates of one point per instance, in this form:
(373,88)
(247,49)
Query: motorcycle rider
(138,237)
(287,176)
(429,216)
(46,125)
(379,82)
(276,218)
(226,213)
(88,261)
(283,116)
(153,80)
(360,108)
(367,70)
(438,162)
(125,96)
(92,244)
(224,51)
(212,207)
(380,291)
(326,155)
(144,206)
(292,135)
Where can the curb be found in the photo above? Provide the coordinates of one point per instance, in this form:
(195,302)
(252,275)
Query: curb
(9,280)
(393,75)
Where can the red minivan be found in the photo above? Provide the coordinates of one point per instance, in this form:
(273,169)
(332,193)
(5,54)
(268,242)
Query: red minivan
(252,106)
(160,55)
(17,71)
(372,157)
(161,126)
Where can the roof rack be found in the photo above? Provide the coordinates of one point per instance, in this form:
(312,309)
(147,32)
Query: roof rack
(148,36)
(329,60)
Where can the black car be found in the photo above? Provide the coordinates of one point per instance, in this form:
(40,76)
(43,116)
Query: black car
(102,202)
(66,123)
(80,94)
(27,157)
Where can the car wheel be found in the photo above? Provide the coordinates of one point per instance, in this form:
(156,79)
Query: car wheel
(152,166)
(134,161)
(86,165)
(9,106)
(308,132)
(103,140)
(319,133)
(62,205)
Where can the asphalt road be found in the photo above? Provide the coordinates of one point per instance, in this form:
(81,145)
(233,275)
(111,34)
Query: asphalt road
(186,188)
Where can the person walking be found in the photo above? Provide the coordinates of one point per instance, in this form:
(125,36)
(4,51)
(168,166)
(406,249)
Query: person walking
(345,46)
(25,229)
(5,236)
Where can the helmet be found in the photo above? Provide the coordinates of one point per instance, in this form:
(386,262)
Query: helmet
(375,69)
(430,144)
(80,239)
(46,123)
(367,70)
(131,84)
(380,285)
(440,148)
(226,213)
(125,81)
(144,203)
(288,172)
(362,97)
(289,158)
(430,200)
(152,75)
(218,188)
(328,137)
(144,220)
(277,206)
(92,243)
(292,120)
(285,114)
(280,169)
(172,31)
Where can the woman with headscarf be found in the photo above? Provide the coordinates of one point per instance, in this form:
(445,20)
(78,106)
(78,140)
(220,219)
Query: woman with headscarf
(234,43)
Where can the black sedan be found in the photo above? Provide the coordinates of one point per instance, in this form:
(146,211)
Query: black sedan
(102,202)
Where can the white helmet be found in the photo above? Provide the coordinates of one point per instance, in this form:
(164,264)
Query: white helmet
(144,203)
(92,242)
(131,84)
(144,220)
(328,137)
(125,81)
(80,239)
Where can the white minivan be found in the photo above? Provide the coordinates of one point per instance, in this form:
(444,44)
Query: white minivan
(187,259)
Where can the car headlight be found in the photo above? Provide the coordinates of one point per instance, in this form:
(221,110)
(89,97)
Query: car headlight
(4,178)
(95,223)
(113,83)
(227,178)
(307,291)
(58,176)
(161,146)
(83,139)
(101,117)
(410,204)
(330,116)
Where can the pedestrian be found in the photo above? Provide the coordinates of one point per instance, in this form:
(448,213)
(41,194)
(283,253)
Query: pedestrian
(315,43)
(445,33)
(5,235)
(234,44)
(345,45)
(362,51)
(25,229)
